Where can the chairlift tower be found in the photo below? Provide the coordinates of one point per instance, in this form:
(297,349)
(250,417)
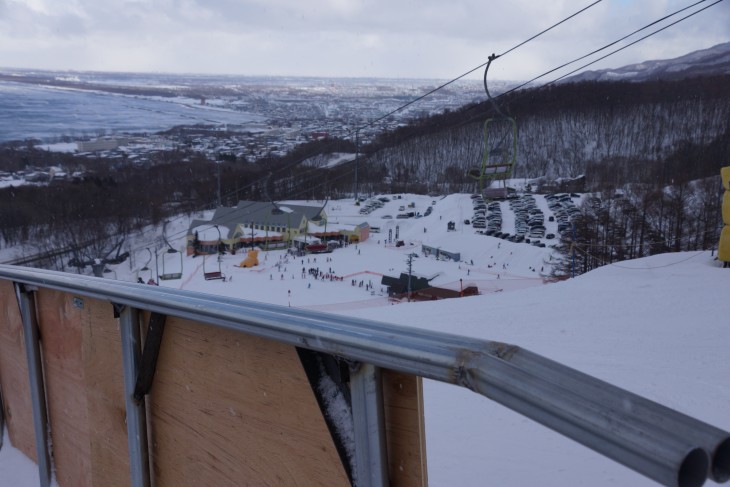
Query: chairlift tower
(410,274)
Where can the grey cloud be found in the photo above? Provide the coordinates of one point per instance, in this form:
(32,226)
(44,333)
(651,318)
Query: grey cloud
(347,37)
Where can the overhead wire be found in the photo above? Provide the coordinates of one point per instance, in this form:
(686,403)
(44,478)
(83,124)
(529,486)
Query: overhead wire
(470,120)
(596,51)
(444,85)
(639,40)
(416,100)
(434,90)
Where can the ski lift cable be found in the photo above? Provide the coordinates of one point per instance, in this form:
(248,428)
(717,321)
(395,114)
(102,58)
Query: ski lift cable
(433,90)
(549,28)
(639,40)
(472,119)
(596,51)
(444,85)
(423,96)
(552,70)
(288,166)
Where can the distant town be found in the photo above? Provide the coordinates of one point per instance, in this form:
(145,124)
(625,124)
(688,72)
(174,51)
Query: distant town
(280,114)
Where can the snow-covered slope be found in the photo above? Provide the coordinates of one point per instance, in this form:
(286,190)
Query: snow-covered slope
(712,61)
(656,326)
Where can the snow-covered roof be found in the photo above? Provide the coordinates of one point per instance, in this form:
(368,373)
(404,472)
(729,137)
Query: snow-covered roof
(259,213)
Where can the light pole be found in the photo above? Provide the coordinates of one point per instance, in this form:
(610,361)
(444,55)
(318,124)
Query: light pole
(410,274)
(218,170)
(357,161)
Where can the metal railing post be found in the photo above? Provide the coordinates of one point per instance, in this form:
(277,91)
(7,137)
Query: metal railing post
(26,302)
(2,418)
(371,462)
(139,463)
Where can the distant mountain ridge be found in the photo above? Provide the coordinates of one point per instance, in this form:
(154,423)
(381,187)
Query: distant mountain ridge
(706,62)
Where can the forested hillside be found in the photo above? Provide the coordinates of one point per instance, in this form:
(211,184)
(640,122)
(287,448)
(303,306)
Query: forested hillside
(614,133)
(649,140)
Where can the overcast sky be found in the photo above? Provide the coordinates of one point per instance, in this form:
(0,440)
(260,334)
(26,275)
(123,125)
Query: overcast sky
(351,38)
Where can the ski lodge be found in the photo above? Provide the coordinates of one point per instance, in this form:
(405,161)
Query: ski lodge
(267,225)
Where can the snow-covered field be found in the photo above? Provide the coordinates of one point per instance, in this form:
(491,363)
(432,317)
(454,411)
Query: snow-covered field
(28,111)
(656,326)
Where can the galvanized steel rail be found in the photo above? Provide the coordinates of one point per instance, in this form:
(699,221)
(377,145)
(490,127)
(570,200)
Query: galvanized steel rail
(662,444)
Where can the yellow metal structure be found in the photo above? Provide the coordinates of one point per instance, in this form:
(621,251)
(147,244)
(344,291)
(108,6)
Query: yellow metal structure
(251,260)
(723,251)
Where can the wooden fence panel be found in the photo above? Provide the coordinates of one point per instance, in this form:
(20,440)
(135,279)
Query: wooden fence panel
(225,409)
(85,389)
(14,374)
(104,381)
(61,335)
(405,429)
(235,410)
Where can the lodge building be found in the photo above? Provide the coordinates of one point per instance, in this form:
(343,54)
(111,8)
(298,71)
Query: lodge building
(267,225)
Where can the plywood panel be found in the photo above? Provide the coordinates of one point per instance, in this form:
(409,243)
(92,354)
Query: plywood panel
(226,408)
(104,379)
(61,341)
(234,410)
(14,373)
(405,429)
(85,388)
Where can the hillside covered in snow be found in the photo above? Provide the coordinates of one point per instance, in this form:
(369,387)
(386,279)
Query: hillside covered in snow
(656,326)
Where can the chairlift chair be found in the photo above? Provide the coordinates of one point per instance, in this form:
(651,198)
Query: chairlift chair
(212,275)
(169,276)
(497,163)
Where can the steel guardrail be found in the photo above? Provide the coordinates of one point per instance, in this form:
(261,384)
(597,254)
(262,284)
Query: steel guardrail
(660,443)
